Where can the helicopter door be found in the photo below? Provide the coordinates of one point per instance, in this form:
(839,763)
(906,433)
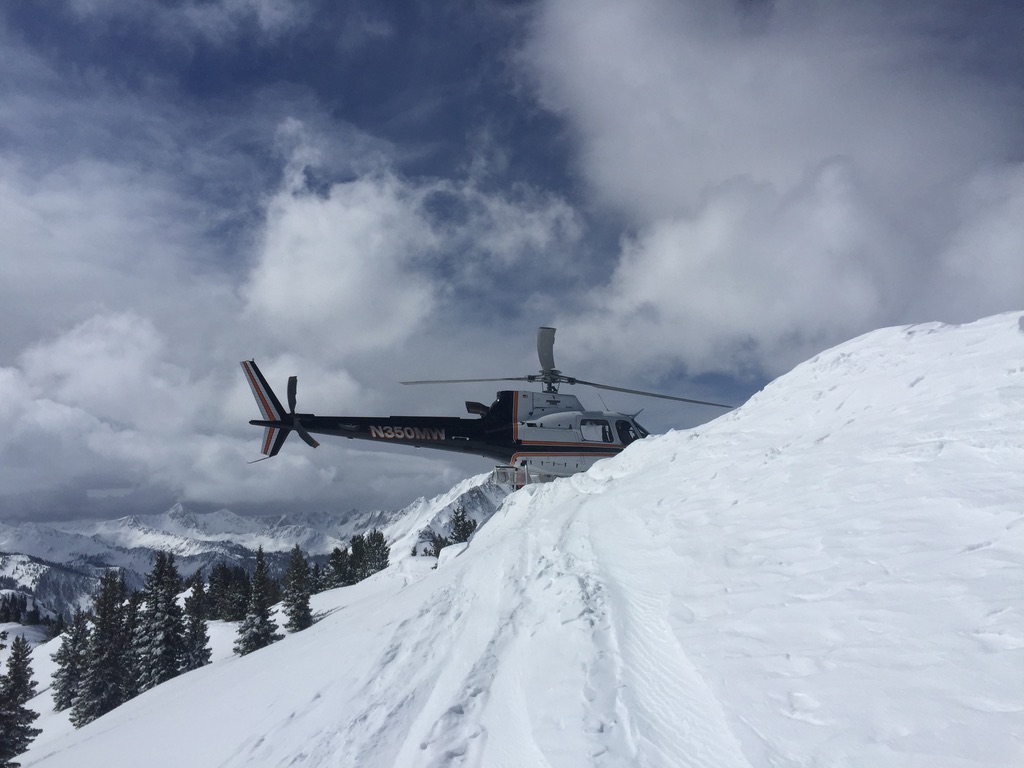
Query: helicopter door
(595,430)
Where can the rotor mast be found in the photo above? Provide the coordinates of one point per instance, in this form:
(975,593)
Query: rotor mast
(549,376)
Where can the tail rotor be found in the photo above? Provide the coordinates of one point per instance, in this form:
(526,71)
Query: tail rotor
(293,382)
(276,423)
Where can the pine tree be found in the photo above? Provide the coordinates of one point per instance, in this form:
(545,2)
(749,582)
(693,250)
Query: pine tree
(437,543)
(316,579)
(197,638)
(193,580)
(239,594)
(377,552)
(159,643)
(297,592)
(219,592)
(274,592)
(106,680)
(18,682)
(228,594)
(16,688)
(462,525)
(71,659)
(131,618)
(257,629)
(57,627)
(357,559)
(339,567)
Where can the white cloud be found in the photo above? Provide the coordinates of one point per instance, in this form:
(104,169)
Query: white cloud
(114,366)
(789,186)
(361,265)
(671,99)
(102,399)
(754,277)
(509,231)
(93,237)
(344,273)
(101,409)
(983,262)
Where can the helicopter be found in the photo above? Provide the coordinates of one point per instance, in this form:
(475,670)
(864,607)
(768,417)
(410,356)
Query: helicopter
(538,436)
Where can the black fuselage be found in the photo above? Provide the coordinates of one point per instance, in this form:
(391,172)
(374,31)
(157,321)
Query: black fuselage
(492,435)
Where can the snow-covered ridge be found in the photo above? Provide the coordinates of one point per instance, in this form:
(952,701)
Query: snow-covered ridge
(23,569)
(185,533)
(830,575)
(73,553)
(188,534)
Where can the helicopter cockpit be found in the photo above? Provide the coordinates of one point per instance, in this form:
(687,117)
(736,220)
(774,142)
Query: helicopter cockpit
(629,431)
(599,430)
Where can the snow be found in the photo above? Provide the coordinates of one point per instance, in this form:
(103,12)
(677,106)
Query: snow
(33,634)
(21,568)
(831,575)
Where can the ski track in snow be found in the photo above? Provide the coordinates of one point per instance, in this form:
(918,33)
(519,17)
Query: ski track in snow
(831,576)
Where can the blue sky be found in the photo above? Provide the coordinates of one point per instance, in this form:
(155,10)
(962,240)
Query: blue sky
(698,196)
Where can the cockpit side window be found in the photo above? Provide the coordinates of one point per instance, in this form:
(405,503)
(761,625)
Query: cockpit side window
(626,432)
(596,430)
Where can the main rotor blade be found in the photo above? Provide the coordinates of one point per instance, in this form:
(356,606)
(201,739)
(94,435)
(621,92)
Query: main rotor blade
(545,348)
(293,382)
(648,394)
(464,381)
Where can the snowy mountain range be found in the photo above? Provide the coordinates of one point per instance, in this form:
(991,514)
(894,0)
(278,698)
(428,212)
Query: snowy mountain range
(61,562)
(831,575)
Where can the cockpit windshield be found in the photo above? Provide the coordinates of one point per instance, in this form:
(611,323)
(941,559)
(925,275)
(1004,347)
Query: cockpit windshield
(629,431)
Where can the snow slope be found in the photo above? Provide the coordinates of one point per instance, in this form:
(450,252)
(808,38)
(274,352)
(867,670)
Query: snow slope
(831,575)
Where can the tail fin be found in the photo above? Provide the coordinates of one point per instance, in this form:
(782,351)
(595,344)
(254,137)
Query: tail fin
(276,433)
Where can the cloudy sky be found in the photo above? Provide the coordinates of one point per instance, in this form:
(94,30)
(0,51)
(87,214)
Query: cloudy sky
(697,195)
